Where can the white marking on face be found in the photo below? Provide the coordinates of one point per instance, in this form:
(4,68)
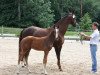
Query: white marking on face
(73,16)
(57,31)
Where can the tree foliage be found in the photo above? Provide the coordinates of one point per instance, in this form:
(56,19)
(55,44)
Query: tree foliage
(31,11)
(85,23)
(43,13)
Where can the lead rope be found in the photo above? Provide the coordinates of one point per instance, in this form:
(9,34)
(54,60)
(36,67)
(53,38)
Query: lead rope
(80,36)
(81,40)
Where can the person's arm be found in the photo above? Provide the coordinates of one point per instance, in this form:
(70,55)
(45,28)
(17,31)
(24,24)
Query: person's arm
(86,37)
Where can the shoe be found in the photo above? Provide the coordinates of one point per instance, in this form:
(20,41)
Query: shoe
(94,72)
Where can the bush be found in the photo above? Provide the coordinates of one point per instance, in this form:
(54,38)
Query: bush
(85,23)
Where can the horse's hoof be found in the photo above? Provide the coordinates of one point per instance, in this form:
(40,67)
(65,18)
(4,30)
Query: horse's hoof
(29,72)
(23,66)
(17,73)
(44,73)
(60,69)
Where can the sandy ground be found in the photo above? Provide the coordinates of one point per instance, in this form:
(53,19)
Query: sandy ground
(75,59)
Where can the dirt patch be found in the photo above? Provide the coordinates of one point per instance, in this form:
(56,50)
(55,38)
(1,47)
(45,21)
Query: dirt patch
(75,59)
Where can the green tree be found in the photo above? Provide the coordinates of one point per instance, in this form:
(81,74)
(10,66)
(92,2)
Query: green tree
(23,13)
(43,13)
(61,7)
(8,12)
(85,23)
(38,12)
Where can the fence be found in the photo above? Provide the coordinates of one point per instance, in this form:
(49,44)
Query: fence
(9,31)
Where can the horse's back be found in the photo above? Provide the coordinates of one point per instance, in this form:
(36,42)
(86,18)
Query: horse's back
(33,42)
(35,31)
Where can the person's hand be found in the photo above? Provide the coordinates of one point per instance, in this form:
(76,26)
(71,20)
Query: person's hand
(81,33)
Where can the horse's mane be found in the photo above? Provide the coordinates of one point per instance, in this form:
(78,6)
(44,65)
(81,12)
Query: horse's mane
(60,21)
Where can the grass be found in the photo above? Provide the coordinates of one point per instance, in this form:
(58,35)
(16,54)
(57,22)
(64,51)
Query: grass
(72,33)
(16,31)
(9,30)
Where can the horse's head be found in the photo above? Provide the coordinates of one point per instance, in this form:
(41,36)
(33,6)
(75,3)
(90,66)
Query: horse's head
(71,18)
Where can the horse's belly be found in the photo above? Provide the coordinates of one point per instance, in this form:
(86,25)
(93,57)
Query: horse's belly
(38,48)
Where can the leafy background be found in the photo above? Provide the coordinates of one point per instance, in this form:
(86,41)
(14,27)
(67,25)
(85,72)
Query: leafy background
(44,13)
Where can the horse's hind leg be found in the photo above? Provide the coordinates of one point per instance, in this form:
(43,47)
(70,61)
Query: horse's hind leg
(26,57)
(19,61)
(45,61)
(22,59)
(26,60)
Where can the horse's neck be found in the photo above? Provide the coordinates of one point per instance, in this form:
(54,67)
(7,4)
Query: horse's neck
(51,38)
(63,26)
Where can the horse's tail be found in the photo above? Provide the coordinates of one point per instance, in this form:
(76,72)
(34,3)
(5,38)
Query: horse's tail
(20,38)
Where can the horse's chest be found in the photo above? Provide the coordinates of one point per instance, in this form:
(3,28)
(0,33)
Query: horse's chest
(59,41)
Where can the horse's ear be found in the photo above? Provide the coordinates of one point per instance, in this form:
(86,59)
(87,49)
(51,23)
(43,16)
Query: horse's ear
(58,26)
(54,25)
(71,10)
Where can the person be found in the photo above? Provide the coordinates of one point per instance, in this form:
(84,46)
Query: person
(94,39)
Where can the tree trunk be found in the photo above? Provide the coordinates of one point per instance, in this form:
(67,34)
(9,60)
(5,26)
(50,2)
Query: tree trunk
(81,9)
(19,11)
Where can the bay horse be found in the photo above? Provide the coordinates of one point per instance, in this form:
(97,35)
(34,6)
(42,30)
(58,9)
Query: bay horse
(38,43)
(39,32)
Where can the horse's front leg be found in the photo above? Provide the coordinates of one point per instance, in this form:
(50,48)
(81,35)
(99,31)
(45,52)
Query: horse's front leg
(45,61)
(58,51)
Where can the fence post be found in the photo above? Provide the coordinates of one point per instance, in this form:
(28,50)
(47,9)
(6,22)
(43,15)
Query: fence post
(2,31)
